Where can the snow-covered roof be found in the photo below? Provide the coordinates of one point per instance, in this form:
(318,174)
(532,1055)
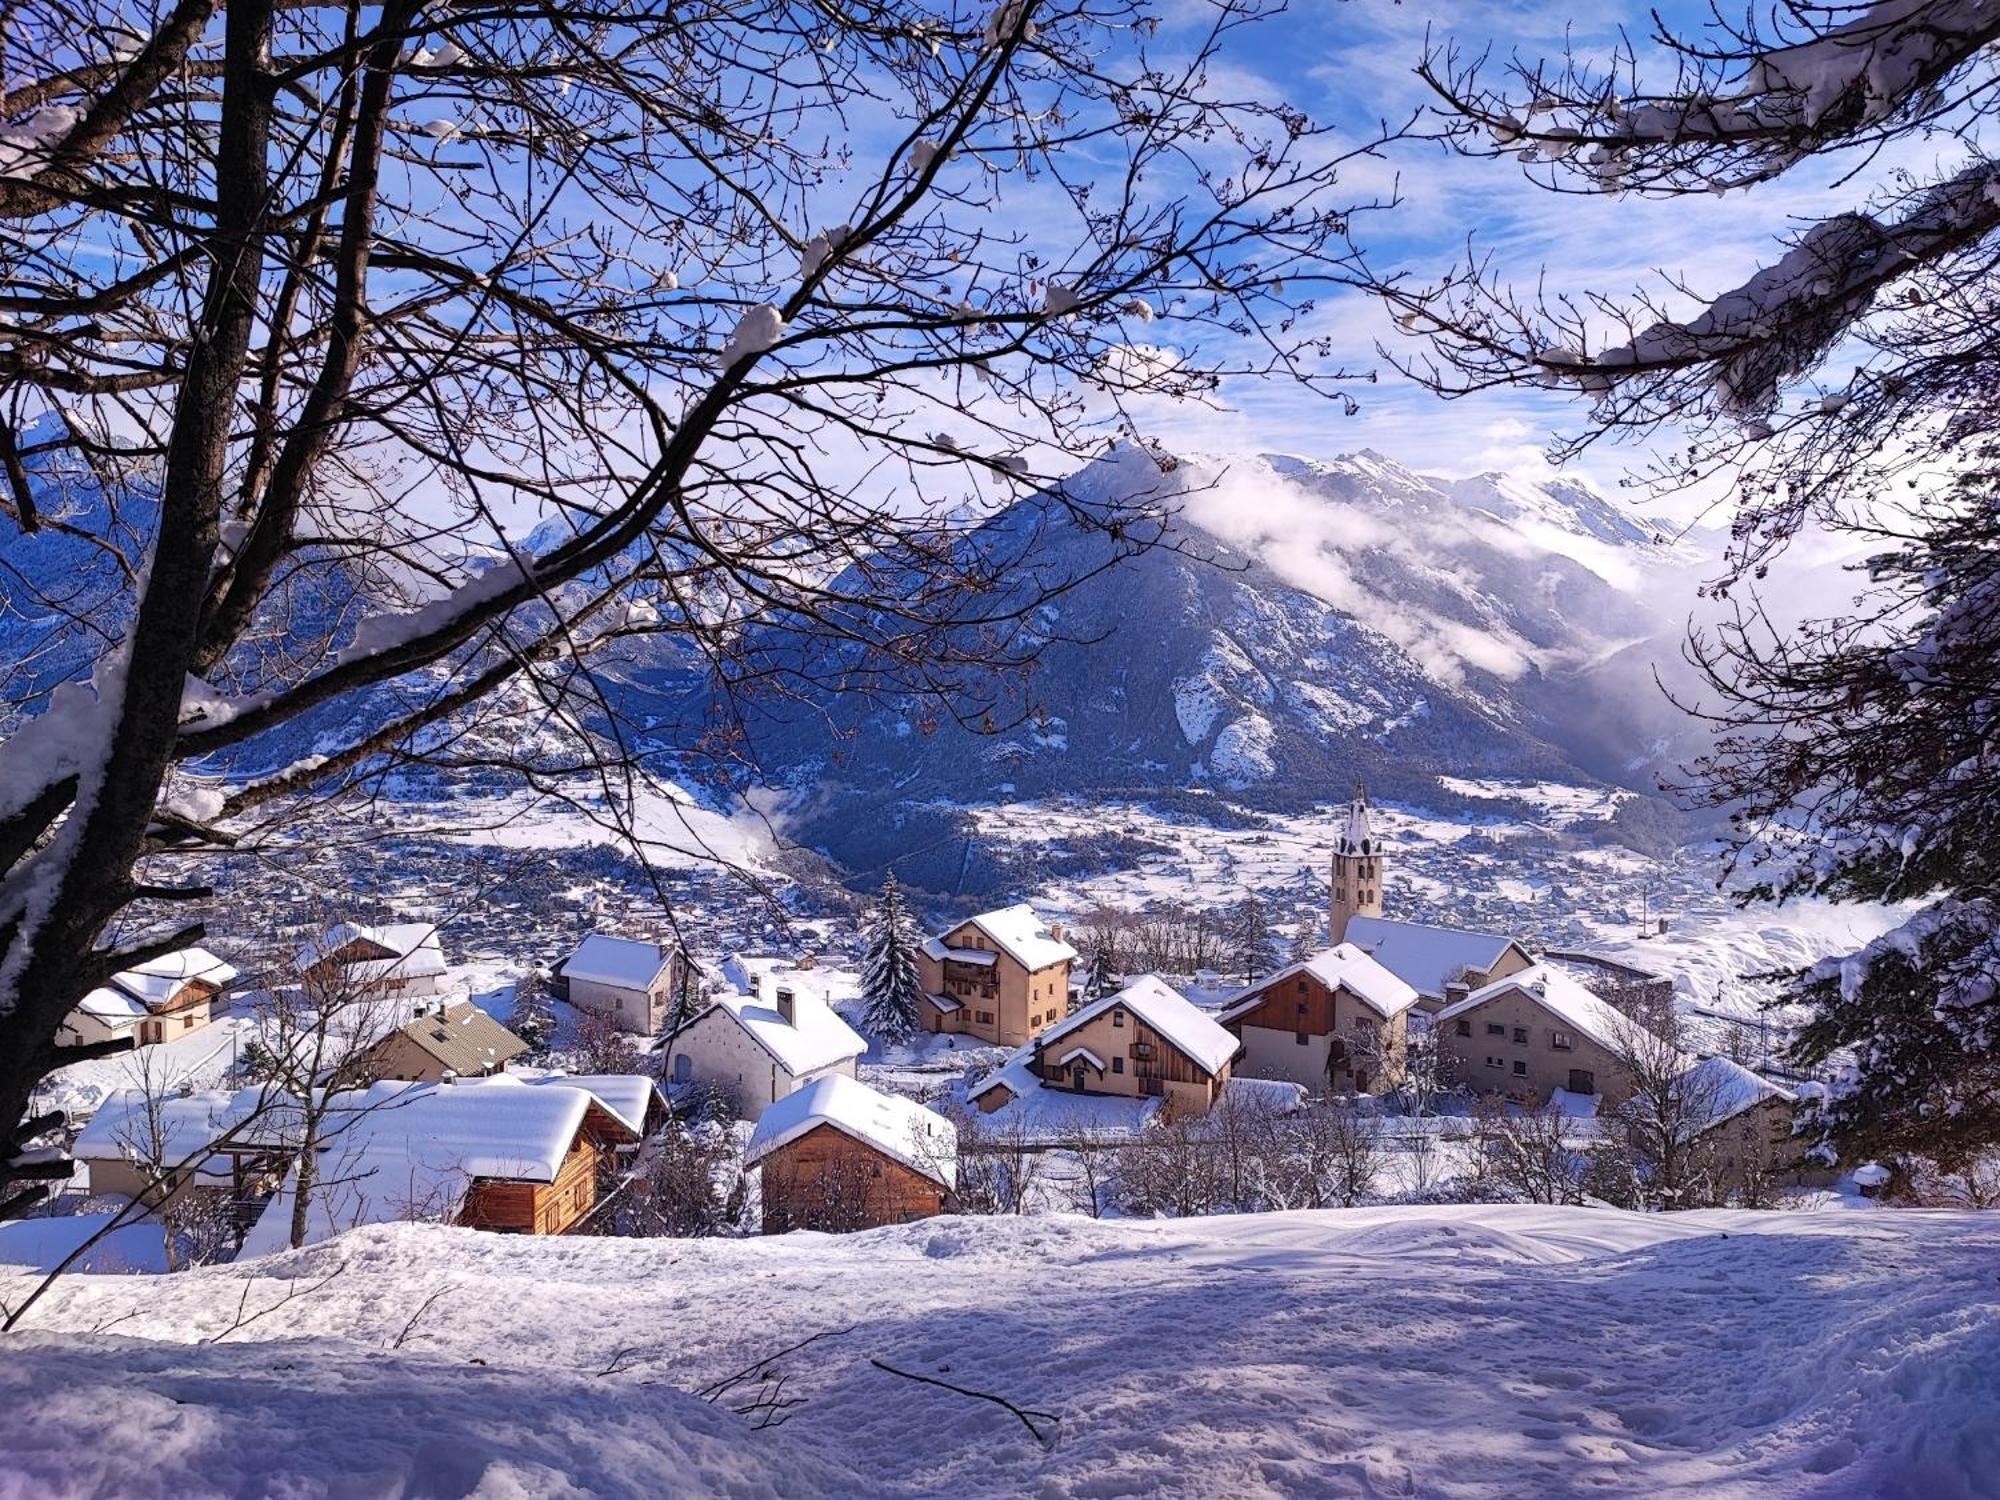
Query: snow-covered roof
(134,1125)
(1425,957)
(937,948)
(816,1037)
(414,948)
(1024,937)
(182,965)
(1168,1012)
(624,963)
(1559,995)
(1083,1052)
(1342,966)
(901,1129)
(402,1151)
(1050,1113)
(628,1096)
(112,1005)
(1732,1088)
(944,1003)
(145,988)
(464,1038)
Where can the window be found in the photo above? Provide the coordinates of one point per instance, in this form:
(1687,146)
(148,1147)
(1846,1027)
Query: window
(1117,1018)
(1117,1064)
(1302,1007)
(1521,1035)
(1496,1062)
(1494,1028)
(1465,1028)
(1562,1041)
(1299,1037)
(1142,1049)
(985,1017)
(1520,1068)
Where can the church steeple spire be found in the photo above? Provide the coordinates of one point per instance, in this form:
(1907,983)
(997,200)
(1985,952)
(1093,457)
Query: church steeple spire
(1357,868)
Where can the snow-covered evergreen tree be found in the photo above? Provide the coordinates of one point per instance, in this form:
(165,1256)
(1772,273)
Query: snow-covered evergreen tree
(1103,977)
(889,980)
(686,998)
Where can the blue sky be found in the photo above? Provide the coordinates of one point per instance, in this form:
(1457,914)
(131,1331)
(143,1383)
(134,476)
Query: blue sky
(1351,61)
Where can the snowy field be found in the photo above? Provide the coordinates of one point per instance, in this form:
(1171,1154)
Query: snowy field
(1449,1352)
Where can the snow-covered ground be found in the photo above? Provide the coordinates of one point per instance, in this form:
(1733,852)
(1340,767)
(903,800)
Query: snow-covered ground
(1449,1352)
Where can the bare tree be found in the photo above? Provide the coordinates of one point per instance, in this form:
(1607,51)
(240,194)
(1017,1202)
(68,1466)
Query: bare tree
(603,1046)
(311,307)
(833,1197)
(1094,1152)
(1528,1151)
(690,1186)
(194,1215)
(1353,1151)
(318,1043)
(999,1163)
(1171,1169)
(1664,1114)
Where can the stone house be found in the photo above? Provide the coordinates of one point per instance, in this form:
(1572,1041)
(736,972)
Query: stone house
(630,980)
(760,1048)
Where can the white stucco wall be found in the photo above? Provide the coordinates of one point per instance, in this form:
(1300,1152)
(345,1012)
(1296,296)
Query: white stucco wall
(635,1010)
(1277,1054)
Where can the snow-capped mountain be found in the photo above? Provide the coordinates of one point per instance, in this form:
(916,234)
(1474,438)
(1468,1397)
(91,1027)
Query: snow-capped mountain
(1317,621)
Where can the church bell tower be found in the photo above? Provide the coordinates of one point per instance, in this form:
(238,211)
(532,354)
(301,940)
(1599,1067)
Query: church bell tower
(1357,869)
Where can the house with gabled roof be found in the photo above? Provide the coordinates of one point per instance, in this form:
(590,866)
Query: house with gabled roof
(1148,1041)
(1335,1023)
(757,1049)
(155,1001)
(1442,964)
(1002,976)
(460,1040)
(1530,1034)
(631,980)
(393,958)
(838,1155)
(499,1153)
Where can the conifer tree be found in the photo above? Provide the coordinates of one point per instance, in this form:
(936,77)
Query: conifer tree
(1103,979)
(889,980)
(1252,949)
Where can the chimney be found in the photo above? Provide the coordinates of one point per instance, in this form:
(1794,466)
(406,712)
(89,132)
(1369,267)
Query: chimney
(788,1010)
(1056,931)
(448,1076)
(1455,990)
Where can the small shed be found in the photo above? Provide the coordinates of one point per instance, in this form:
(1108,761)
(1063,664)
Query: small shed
(840,1156)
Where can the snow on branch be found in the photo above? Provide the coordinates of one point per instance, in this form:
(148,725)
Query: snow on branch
(1744,107)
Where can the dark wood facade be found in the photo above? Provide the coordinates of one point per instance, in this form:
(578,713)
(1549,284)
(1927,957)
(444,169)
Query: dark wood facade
(828,1180)
(1299,1003)
(511,1206)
